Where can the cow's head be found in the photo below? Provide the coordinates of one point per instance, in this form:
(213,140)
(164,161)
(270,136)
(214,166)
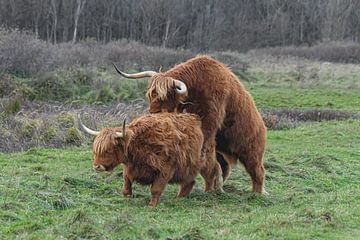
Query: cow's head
(109,147)
(165,94)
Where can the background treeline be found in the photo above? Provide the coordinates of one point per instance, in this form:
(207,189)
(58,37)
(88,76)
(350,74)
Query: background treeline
(197,24)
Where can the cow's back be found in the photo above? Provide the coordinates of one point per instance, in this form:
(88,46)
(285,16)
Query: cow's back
(175,138)
(212,83)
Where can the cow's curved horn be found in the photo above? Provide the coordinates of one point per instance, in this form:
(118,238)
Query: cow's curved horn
(180,87)
(135,75)
(122,134)
(88,130)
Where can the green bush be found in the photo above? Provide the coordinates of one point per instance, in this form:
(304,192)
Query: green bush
(62,86)
(52,87)
(130,89)
(105,95)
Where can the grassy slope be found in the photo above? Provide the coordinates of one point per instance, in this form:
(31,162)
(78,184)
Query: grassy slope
(313,179)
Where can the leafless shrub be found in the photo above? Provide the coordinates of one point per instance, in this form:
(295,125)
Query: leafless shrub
(21,53)
(133,55)
(344,52)
(232,59)
(288,118)
(7,85)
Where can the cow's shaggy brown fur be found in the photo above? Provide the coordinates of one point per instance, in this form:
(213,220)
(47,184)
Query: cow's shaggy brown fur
(227,110)
(157,149)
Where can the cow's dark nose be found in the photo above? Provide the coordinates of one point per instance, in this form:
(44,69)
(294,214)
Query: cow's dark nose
(99,168)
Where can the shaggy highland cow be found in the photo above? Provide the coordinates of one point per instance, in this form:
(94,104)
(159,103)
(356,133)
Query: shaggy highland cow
(155,150)
(229,116)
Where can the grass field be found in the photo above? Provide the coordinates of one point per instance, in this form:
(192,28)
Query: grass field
(305,98)
(313,179)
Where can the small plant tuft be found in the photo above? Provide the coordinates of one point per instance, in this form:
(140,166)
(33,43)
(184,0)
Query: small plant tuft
(12,106)
(73,136)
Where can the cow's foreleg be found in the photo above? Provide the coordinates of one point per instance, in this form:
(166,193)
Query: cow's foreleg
(158,187)
(127,185)
(186,188)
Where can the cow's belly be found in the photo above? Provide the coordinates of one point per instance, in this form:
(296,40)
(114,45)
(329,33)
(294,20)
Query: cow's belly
(144,175)
(222,142)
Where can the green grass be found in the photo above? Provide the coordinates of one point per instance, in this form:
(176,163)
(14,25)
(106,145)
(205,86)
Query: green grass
(294,97)
(313,178)
(303,84)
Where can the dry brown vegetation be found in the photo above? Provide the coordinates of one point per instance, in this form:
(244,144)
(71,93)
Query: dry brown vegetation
(39,124)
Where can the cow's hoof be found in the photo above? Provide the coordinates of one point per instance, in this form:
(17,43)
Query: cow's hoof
(265,193)
(128,195)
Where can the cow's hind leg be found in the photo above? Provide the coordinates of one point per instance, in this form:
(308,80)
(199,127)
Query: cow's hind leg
(255,167)
(186,188)
(225,166)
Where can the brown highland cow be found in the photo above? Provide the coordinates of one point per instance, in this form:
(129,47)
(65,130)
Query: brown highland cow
(229,116)
(155,150)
